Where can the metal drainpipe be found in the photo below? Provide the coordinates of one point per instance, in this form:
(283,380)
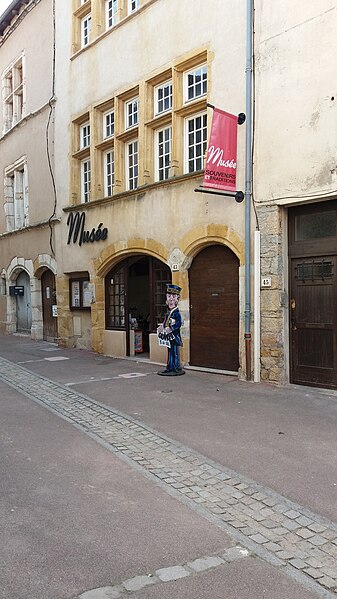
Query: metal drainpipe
(248,190)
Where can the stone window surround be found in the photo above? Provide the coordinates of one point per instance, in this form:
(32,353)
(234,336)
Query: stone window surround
(99,18)
(14,93)
(146,130)
(16,195)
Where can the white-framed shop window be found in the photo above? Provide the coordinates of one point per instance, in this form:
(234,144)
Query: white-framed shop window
(109,172)
(195,83)
(131,113)
(85,135)
(163,143)
(110,13)
(133,5)
(131,163)
(163,97)
(108,124)
(195,142)
(85,30)
(85,180)
(13,93)
(16,196)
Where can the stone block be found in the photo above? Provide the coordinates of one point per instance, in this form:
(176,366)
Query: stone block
(172,573)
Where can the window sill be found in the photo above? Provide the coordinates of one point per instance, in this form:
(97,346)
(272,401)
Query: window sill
(140,191)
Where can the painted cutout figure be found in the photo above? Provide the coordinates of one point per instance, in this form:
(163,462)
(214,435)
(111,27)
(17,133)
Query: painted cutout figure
(169,332)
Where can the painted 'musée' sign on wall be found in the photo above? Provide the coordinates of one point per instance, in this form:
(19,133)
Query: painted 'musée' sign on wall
(77,233)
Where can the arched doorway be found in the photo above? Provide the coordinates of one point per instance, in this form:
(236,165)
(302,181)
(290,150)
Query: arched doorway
(23,304)
(135,299)
(48,290)
(214,309)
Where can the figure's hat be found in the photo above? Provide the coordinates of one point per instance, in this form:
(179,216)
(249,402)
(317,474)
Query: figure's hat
(174,289)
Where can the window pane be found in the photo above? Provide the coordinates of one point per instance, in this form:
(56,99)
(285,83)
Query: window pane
(131,114)
(163,97)
(111,10)
(196,83)
(132,166)
(109,124)
(316,225)
(115,299)
(109,173)
(196,140)
(163,153)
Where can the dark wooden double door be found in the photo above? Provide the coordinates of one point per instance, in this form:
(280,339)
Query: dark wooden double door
(313,321)
(214,309)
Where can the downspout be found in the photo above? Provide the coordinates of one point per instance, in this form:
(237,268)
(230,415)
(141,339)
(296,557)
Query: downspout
(248,188)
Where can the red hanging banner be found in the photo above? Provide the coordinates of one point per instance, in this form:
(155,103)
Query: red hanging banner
(220,169)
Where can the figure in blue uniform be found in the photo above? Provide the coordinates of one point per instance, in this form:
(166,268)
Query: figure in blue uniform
(169,332)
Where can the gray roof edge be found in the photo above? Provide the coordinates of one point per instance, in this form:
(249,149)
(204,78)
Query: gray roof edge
(6,16)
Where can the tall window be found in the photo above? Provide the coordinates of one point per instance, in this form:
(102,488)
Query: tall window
(108,124)
(85,180)
(195,83)
(110,12)
(163,153)
(131,113)
(85,135)
(163,97)
(13,94)
(16,196)
(196,142)
(85,30)
(109,172)
(133,5)
(132,164)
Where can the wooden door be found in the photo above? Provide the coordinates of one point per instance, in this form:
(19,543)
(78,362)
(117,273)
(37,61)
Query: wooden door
(48,289)
(313,321)
(214,309)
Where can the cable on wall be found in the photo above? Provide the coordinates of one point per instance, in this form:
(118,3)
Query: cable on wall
(51,103)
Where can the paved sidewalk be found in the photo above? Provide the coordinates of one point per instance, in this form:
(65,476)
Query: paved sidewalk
(300,542)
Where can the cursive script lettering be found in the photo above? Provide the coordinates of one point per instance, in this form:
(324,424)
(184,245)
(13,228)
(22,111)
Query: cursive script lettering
(215,155)
(76,231)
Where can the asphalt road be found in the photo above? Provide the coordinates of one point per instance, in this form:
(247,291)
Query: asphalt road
(75,517)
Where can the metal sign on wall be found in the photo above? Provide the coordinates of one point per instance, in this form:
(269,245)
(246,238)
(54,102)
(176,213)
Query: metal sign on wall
(220,169)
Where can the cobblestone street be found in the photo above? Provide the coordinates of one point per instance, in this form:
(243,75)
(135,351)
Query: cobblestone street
(301,543)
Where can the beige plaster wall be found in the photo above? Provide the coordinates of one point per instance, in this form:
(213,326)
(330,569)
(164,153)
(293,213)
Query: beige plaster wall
(296,101)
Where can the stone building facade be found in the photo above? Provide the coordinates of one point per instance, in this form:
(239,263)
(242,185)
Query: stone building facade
(138,126)
(27,217)
(134,81)
(295,189)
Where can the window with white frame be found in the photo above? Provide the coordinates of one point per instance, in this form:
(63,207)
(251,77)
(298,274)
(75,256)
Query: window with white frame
(133,5)
(85,30)
(195,83)
(109,172)
(13,94)
(163,139)
(195,142)
(131,113)
(132,164)
(16,196)
(110,13)
(85,180)
(85,135)
(163,97)
(108,124)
